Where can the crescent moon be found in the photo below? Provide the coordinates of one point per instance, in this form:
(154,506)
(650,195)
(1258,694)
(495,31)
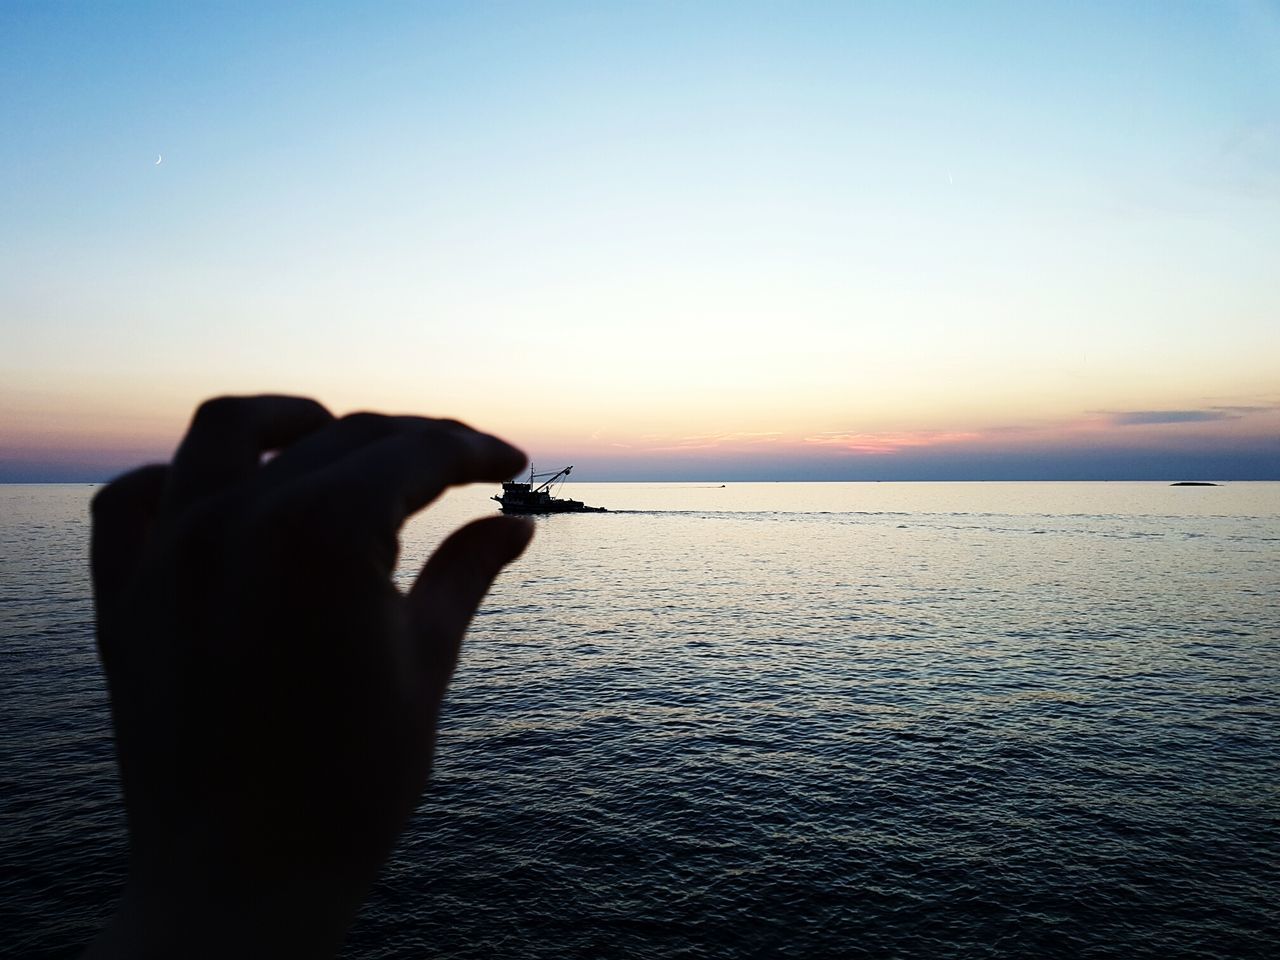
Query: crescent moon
(159,158)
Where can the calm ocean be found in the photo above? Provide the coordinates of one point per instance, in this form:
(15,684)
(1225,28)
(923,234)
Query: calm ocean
(772,720)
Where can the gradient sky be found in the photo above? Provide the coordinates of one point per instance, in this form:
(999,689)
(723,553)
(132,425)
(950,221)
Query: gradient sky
(687,240)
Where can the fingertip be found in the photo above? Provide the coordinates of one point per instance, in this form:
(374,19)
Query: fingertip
(515,535)
(508,459)
(489,544)
(461,569)
(519,458)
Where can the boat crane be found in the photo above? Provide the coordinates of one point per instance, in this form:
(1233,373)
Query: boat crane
(554,477)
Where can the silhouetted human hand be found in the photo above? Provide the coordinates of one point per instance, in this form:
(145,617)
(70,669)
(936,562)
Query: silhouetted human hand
(274,695)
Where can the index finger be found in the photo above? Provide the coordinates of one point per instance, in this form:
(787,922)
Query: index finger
(384,483)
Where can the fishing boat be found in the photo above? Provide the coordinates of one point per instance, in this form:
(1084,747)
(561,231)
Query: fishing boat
(518,497)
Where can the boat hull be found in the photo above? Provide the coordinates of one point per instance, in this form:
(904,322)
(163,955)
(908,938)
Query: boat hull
(561,507)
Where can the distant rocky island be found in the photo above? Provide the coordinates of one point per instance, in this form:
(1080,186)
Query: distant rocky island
(1194,483)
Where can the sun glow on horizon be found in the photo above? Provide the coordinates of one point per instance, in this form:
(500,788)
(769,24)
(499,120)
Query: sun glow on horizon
(806,236)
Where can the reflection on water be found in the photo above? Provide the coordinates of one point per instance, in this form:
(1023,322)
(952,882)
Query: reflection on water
(777,720)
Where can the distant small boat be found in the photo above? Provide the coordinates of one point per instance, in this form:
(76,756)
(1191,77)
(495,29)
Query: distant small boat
(520,497)
(1194,483)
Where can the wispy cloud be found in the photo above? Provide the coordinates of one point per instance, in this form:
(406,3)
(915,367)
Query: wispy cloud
(1245,411)
(711,440)
(887,443)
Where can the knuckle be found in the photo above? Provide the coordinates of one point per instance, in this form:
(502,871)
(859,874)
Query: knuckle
(366,419)
(367,424)
(220,413)
(316,409)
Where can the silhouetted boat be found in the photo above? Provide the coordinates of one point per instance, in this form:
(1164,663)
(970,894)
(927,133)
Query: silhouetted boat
(520,497)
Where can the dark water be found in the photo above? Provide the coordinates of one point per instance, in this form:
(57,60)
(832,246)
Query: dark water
(774,720)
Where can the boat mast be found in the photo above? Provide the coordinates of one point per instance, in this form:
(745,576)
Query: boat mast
(554,477)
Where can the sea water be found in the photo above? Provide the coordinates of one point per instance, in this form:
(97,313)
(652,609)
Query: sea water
(771,720)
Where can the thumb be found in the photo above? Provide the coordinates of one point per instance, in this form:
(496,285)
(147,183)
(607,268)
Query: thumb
(455,579)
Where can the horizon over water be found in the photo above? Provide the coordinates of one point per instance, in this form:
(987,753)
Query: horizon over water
(772,719)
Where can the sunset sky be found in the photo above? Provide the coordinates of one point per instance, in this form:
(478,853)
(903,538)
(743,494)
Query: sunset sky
(657,240)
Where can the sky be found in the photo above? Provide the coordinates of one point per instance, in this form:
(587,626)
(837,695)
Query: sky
(705,240)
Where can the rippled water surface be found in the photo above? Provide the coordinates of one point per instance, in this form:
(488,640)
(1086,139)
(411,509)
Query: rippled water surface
(772,720)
